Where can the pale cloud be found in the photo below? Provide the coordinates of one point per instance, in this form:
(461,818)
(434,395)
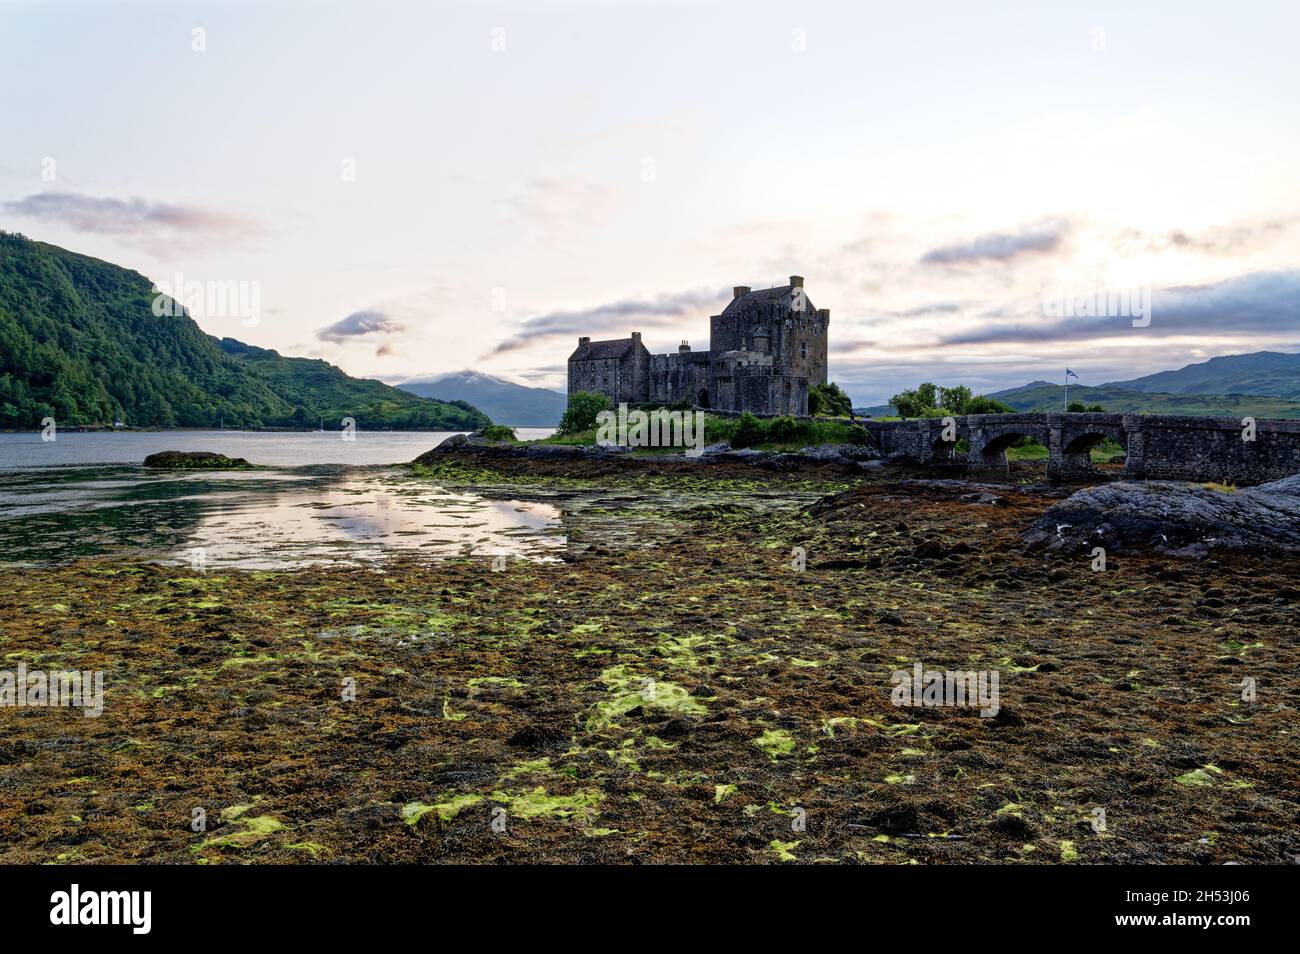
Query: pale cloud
(1046,236)
(1255,303)
(127,218)
(618,318)
(362,324)
(1230,239)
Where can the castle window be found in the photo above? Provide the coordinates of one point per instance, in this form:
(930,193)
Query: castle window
(803,349)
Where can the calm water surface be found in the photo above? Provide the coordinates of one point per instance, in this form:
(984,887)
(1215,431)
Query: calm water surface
(273,449)
(313,499)
(318,499)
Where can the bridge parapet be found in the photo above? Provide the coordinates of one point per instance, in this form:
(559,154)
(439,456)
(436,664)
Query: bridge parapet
(1156,446)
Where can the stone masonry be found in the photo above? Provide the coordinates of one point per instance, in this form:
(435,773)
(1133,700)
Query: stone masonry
(1156,446)
(768,347)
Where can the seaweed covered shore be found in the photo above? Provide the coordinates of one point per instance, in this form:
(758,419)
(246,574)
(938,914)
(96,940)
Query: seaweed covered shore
(695,698)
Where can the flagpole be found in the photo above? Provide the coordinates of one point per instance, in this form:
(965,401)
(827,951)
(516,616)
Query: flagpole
(1067,391)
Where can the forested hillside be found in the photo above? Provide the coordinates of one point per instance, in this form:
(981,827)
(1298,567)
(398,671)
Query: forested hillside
(79,342)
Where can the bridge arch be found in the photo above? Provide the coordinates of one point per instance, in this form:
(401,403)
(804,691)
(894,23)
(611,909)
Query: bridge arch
(1078,435)
(1084,443)
(993,435)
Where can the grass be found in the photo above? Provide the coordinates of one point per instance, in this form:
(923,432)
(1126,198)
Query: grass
(1033,450)
(776,434)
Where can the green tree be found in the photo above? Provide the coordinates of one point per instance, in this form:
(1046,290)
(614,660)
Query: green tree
(918,402)
(581,413)
(829,400)
(749,431)
(982,404)
(955,399)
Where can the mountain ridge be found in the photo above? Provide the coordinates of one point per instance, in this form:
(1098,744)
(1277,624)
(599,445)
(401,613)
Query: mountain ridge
(1268,373)
(1263,384)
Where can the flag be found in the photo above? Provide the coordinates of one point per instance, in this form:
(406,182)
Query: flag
(1070,374)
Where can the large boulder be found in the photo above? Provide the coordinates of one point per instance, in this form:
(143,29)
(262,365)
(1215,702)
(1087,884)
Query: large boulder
(194,460)
(1180,518)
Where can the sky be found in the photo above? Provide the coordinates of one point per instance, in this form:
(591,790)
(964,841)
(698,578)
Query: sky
(415,188)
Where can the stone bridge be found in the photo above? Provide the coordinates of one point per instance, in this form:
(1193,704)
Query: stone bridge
(1156,446)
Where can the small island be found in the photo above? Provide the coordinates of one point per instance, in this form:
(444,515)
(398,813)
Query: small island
(195,460)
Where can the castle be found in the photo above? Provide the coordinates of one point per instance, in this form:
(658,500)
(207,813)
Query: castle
(768,349)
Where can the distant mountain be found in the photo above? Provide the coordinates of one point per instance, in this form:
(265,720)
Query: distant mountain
(79,342)
(1263,384)
(1043,396)
(1264,372)
(876,410)
(503,401)
(311,383)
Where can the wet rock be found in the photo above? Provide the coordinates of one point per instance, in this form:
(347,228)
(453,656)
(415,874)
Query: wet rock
(194,460)
(839,453)
(1182,519)
(537,736)
(992,500)
(375,816)
(895,819)
(676,728)
(1015,826)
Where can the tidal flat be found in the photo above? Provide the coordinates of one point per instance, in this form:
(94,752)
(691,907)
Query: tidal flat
(670,688)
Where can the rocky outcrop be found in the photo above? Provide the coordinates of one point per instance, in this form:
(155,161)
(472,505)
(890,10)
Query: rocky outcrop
(1179,518)
(472,445)
(478,447)
(194,460)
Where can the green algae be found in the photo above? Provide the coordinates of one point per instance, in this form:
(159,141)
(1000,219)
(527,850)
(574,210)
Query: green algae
(834,726)
(1211,776)
(784,849)
(315,849)
(256,829)
(525,768)
(446,810)
(777,743)
(538,803)
(629,691)
(449,714)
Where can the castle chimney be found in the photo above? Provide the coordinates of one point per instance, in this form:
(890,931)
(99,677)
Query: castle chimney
(824,314)
(739,290)
(636,336)
(796,281)
(684,346)
(583,341)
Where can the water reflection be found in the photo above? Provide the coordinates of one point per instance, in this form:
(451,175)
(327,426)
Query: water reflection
(261,519)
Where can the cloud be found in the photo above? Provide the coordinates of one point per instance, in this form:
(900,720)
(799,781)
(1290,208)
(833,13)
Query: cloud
(362,323)
(616,317)
(134,217)
(928,310)
(550,202)
(1257,302)
(1046,236)
(1218,240)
